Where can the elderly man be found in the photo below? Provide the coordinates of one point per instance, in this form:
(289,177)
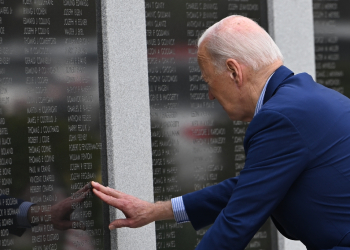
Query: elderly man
(297,167)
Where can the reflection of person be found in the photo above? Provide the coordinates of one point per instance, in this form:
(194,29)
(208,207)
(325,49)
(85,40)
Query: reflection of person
(17,215)
(297,167)
(14,214)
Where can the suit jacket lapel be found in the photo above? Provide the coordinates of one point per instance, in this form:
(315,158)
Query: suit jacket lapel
(276,81)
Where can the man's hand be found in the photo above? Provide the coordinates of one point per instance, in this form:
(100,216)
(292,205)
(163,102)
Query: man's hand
(137,212)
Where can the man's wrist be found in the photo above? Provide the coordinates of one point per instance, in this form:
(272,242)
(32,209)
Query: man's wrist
(22,215)
(163,211)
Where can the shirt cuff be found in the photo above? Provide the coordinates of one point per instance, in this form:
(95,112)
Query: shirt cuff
(22,216)
(179,210)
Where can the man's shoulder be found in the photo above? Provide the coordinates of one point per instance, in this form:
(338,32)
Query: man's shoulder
(299,97)
(310,108)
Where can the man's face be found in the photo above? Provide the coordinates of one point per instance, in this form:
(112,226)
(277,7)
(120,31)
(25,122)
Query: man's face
(222,86)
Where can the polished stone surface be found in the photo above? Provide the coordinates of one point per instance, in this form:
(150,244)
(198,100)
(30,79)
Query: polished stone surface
(50,120)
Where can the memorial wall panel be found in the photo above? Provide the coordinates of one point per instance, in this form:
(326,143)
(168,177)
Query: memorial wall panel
(332,44)
(50,129)
(194,143)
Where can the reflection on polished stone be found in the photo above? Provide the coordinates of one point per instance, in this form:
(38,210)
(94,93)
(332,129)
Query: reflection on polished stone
(332,53)
(194,144)
(50,143)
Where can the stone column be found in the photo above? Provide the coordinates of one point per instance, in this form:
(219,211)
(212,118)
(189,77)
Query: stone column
(129,155)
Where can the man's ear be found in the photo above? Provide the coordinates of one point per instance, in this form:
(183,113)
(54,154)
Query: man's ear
(235,70)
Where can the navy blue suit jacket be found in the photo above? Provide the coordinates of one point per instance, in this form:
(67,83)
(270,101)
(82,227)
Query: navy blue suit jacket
(8,215)
(297,171)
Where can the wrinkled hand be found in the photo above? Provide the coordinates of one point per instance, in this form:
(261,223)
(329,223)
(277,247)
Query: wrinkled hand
(138,213)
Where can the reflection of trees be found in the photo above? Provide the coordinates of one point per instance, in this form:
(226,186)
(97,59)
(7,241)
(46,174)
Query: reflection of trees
(193,153)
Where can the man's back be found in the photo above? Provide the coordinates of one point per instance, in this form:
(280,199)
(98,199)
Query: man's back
(316,208)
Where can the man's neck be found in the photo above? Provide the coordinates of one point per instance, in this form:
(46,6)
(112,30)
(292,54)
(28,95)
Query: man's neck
(264,74)
(257,81)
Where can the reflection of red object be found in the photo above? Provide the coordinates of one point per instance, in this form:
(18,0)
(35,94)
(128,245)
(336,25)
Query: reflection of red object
(198,132)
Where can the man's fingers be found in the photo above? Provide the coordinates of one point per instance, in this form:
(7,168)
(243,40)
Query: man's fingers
(119,224)
(106,198)
(97,186)
(135,210)
(107,190)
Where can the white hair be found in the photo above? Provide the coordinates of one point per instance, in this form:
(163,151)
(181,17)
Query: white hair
(255,49)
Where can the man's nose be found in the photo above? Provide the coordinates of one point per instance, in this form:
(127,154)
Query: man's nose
(211,96)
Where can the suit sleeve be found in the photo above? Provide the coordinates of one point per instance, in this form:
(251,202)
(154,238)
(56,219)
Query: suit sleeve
(9,208)
(204,206)
(276,156)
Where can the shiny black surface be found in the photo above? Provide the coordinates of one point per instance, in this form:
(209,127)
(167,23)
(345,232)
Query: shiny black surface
(50,130)
(194,144)
(332,44)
